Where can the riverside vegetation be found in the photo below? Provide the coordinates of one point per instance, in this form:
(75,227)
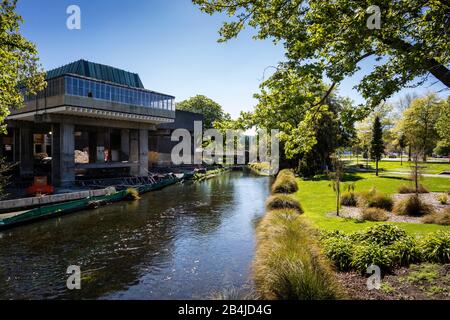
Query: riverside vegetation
(288,262)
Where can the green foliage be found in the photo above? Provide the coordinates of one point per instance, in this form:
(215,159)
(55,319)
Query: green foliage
(366,255)
(383,234)
(376,145)
(405,251)
(412,206)
(18,62)
(212,112)
(283,201)
(331,38)
(418,123)
(340,251)
(436,247)
(374,214)
(288,264)
(384,245)
(443,124)
(443,198)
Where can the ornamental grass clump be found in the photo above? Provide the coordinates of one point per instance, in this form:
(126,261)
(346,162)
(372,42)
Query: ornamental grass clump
(349,199)
(288,263)
(406,189)
(283,201)
(441,218)
(374,214)
(285,183)
(412,206)
(375,199)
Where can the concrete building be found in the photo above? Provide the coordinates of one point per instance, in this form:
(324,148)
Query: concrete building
(92,119)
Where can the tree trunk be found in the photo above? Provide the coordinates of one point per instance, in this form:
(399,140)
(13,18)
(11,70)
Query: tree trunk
(401,157)
(377,167)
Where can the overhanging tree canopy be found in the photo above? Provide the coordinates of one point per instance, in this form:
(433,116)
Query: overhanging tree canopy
(19,69)
(331,37)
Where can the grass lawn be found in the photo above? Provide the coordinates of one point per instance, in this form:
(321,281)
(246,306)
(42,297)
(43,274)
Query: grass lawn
(318,199)
(395,166)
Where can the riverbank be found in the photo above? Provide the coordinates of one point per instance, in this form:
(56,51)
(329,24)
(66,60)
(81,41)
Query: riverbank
(288,263)
(319,203)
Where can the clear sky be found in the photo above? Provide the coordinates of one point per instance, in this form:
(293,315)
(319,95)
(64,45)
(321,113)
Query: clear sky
(170,43)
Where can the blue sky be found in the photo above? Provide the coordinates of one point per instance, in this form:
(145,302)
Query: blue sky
(170,43)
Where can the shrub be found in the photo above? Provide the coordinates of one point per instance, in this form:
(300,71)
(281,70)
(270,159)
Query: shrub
(283,201)
(286,172)
(133,194)
(285,183)
(288,264)
(438,218)
(383,234)
(386,246)
(443,198)
(405,252)
(436,247)
(369,254)
(375,199)
(406,189)
(339,250)
(349,199)
(412,206)
(374,214)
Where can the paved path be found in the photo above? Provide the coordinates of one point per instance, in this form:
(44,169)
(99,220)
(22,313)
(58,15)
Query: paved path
(429,175)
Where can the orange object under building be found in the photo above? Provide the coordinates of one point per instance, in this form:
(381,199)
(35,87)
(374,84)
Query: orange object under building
(40,187)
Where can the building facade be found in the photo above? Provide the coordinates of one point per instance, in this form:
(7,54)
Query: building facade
(91,120)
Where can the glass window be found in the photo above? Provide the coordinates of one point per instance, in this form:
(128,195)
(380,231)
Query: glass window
(97,91)
(108,92)
(80,87)
(68,81)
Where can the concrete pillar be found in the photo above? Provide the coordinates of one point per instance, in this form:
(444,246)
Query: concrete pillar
(26,152)
(143,153)
(56,155)
(125,145)
(67,153)
(134,152)
(92,147)
(16,145)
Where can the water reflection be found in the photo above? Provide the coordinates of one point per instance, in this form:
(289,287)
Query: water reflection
(186,241)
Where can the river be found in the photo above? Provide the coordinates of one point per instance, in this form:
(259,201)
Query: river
(188,241)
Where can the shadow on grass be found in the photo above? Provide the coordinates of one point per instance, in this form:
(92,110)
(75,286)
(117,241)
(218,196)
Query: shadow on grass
(396,178)
(348,177)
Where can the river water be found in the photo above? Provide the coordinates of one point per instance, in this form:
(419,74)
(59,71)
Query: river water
(188,241)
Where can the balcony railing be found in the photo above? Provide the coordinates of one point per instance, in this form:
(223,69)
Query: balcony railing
(81,87)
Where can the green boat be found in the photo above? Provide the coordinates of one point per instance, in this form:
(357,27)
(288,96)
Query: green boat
(157,186)
(51,211)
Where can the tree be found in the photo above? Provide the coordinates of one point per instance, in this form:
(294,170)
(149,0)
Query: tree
(376,145)
(418,123)
(443,126)
(332,37)
(19,70)
(336,178)
(308,134)
(402,145)
(211,110)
